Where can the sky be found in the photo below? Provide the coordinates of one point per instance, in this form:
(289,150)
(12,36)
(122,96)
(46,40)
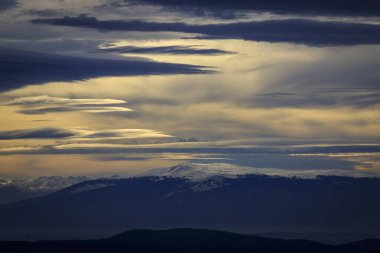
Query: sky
(106,87)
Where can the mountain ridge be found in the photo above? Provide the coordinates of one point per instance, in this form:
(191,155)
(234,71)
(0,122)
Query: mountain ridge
(190,240)
(13,190)
(249,204)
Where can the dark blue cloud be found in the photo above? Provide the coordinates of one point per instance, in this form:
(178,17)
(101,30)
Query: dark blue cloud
(313,99)
(122,158)
(109,109)
(196,150)
(58,133)
(43,133)
(43,12)
(225,8)
(47,110)
(180,50)
(20,68)
(291,30)
(7,4)
(283,161)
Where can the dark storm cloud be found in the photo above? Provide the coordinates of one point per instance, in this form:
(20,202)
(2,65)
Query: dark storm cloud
(180,50)
(43,133)
(20,68)
(225,8)
(291,30)
(7,4)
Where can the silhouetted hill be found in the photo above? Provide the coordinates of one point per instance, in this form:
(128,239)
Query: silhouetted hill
(188,240)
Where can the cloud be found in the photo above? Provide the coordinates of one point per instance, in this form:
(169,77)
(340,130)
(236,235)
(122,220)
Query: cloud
(43,133)
(176,50)
(92,109)
(49,104)
(43,12)
(48,100)
(19,68)
(64,133)
(302,92)
(55,45)
(125,133)
(321,98)
(7,4)
(286,162)
(301,7)
(178,148)
(299,31)
(123,158)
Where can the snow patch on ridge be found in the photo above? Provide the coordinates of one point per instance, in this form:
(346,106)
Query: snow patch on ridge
(46,183)
(90,187)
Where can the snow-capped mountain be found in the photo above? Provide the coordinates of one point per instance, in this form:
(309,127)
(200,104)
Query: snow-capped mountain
(204,176)
(200,171)
(48,183)
(246,203)
(12,190)
(5,181)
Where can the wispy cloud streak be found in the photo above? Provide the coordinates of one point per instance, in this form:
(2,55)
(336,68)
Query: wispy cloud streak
(300,31)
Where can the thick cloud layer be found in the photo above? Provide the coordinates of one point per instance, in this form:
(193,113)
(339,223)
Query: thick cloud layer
(7,4)
(274,97)
(20,68)
(47,104)
(176,50)
(59,133)
(165,148)
(313,7)
(291,30)
(44,133)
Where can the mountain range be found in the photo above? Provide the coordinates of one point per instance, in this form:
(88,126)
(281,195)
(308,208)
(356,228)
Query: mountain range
(12,190)
(244,203)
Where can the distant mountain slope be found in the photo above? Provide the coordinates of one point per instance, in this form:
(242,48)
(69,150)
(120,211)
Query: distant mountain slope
(249,203)
(198,171)
(188,240)
(15,190)
(202,171)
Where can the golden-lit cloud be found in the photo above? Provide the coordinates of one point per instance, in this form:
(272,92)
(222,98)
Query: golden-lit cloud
(258,95)
(49,104)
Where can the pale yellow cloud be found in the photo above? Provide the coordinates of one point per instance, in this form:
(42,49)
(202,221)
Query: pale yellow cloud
(222,109)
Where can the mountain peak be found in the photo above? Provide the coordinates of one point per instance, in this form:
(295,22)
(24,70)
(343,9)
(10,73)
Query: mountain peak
(199,171)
